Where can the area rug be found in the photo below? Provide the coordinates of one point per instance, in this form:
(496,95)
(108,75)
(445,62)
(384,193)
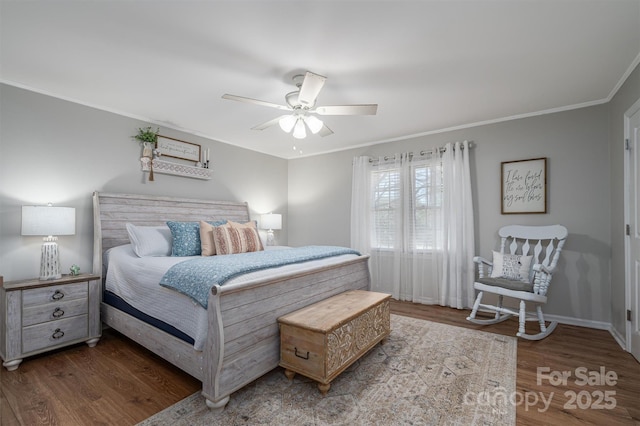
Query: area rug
(425,374)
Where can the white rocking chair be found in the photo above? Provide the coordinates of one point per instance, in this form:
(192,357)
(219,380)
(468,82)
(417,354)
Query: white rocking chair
(518,279)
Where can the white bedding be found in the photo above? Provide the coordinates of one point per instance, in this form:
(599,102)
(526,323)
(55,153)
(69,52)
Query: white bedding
(135,279)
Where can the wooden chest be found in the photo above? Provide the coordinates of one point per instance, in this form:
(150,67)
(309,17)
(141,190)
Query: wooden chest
(323,339)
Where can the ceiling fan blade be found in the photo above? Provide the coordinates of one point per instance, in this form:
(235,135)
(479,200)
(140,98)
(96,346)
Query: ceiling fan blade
(310,89)
(268,123)
(366,109)
(255,102)
(325,131)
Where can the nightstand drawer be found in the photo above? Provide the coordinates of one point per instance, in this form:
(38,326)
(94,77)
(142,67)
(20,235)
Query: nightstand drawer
(54,333)
(54,293)
(53,311)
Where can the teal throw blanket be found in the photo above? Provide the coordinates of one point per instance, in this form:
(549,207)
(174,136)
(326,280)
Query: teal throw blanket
(195,277)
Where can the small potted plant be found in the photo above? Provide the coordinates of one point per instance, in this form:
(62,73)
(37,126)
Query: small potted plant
(148,137)
(147,134)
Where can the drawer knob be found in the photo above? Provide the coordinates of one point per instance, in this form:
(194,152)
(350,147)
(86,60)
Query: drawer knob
(299,355)
(57,334)
(57,313)
(57,295)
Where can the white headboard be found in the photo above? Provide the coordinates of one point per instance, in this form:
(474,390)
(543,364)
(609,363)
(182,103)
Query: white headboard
(112,211)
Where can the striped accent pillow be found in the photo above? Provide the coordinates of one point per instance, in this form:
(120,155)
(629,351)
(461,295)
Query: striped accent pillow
(232,239)
(206,238)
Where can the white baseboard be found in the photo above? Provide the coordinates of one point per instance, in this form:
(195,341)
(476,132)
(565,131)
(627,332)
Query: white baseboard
(622,341)
(598,325)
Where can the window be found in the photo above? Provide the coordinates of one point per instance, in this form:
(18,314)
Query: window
(386,205)
(420,195)
(427,206)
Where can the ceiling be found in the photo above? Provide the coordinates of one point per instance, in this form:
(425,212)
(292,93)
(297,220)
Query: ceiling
(429,65)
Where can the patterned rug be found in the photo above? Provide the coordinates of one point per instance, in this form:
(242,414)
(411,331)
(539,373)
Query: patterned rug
(425,374)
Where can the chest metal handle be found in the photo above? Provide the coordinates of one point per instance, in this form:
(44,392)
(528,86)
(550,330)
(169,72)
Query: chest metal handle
(57,334)
(57,295)
(299,355)
(57,313)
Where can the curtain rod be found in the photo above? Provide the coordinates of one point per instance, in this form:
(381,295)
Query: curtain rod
(421,153)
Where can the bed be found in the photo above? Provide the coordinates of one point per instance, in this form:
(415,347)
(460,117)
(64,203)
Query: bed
(241,337)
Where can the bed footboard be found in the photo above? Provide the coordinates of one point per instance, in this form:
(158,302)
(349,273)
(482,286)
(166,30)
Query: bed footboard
(244,339)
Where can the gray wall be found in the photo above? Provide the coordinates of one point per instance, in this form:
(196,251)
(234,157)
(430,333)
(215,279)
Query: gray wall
(628,94)
(576,145)
(57,151)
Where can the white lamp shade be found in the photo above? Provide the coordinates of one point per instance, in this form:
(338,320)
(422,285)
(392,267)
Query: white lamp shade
(299,131)
(287,123)
(48,220)
(314,123)
(271,221)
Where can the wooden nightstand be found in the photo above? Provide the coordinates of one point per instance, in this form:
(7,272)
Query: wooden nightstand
(37,315)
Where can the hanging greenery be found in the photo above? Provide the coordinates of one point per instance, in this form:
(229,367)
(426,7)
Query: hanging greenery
(147,134)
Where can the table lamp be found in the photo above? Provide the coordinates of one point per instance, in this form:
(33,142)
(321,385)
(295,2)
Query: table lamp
(270,222)
(49,221)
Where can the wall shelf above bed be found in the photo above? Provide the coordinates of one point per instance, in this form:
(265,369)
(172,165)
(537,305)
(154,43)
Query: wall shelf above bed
(171,168)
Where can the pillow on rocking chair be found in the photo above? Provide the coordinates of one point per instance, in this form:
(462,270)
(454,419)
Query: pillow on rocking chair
(511,266)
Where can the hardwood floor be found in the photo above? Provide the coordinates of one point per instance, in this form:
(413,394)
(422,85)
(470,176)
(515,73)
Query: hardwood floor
(120,383)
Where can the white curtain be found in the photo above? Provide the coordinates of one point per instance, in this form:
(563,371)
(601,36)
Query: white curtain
(410,215)
(361,205)
(456,288)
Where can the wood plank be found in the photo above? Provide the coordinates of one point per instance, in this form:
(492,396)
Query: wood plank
(40,313)
(279,307)
(236,302)
(13,336)
(50,334)
(179,353)
(113,211)
(323,316)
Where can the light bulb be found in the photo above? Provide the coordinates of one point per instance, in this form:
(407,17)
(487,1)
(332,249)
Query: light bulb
(287,123)
(314,123)
(299,131)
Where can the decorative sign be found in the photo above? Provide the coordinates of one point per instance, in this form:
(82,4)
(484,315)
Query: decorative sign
(169,147)
(524,186)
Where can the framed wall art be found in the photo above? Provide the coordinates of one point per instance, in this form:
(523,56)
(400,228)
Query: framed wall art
(169,147)
(524,186)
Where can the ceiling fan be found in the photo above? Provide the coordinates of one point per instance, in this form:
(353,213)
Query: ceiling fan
(302,107)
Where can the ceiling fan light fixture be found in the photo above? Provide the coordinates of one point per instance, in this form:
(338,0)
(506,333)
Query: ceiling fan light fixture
(287,123)
(299,131)
(314,123)
(302,110)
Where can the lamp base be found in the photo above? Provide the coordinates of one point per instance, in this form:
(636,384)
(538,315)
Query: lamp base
(50,261)
(270,237)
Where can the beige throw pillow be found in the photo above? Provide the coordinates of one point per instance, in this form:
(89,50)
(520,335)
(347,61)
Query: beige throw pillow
(206,238)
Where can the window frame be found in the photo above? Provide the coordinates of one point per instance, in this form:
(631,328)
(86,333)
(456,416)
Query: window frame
(407,240)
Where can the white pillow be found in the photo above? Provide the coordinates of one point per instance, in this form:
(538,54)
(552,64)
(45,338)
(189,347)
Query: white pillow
(511,266)
(150,240)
